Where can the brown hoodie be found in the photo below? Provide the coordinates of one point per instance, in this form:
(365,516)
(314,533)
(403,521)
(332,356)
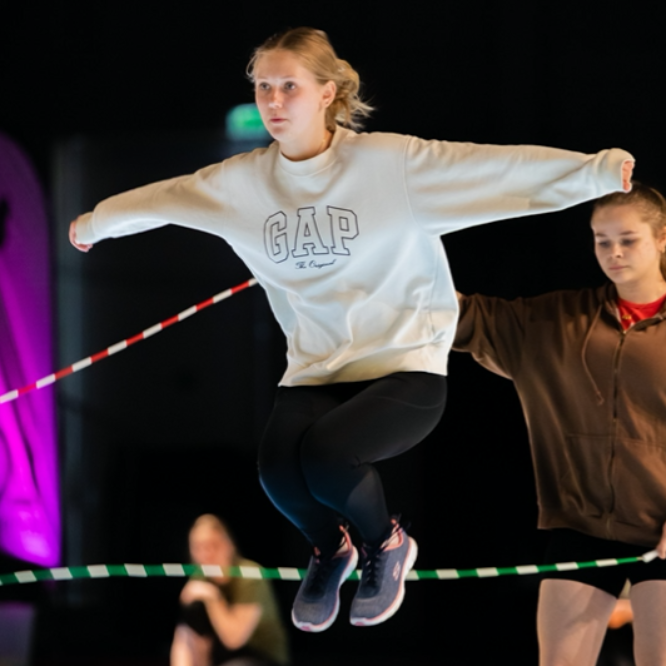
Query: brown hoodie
(594,398)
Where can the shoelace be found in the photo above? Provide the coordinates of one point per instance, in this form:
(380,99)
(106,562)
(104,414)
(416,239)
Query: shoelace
(373,562)
(372,565)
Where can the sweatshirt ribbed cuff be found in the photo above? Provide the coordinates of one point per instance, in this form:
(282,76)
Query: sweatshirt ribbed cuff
(84,229)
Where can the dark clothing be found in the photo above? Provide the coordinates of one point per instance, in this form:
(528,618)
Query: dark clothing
(315,460)
(267,644)
(194,615)
(572,546)
(594,398)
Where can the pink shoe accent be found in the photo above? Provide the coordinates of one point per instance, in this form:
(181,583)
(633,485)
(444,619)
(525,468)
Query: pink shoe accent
(397,602)
(346,548)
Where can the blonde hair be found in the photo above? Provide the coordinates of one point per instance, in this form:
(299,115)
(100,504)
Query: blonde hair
(649,201)
(317,55)
(214,523)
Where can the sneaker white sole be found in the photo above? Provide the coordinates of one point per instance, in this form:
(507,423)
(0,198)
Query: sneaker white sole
(397,602)
(314,628)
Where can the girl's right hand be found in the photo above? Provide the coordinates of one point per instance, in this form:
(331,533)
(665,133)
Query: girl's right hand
(82,247)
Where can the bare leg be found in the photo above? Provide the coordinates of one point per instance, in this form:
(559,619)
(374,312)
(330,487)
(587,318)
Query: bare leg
(189,648)
(648,600)
(571,621)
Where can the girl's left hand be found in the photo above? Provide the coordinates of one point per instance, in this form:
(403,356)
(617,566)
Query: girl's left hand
(661,546)
(627,171)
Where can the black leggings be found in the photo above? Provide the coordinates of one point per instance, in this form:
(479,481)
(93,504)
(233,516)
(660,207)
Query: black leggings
(315,459)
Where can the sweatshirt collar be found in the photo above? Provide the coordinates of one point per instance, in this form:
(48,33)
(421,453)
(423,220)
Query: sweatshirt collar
(314,164)
(608,296)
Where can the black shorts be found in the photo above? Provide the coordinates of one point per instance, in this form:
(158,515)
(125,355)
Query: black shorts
(572,546)
(195,616)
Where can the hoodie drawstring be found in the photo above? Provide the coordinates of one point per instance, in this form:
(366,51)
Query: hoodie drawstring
(588,335)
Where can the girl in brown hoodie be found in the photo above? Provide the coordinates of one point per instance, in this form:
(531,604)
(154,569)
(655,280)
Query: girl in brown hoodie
(590,370)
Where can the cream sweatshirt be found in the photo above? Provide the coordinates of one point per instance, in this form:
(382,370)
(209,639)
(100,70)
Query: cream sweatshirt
(346,244)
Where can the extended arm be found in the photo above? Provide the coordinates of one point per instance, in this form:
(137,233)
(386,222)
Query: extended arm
(196,201)
(493,331)
(456,185)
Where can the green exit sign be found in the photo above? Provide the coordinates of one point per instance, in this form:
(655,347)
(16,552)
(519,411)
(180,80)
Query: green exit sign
(244,124)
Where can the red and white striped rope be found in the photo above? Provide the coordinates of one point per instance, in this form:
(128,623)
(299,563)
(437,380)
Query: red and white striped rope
(124,344)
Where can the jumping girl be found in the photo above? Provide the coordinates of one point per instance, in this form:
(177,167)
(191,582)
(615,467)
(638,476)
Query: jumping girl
(589,367)
(342,231)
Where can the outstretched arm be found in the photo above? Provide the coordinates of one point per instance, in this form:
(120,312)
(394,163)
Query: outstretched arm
(453,185)
(493,331)
(196,201)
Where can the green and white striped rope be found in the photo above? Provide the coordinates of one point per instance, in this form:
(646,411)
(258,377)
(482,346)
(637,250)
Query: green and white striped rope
(288,573)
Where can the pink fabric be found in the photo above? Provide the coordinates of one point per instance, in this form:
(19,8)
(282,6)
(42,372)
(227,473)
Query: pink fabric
(29,507)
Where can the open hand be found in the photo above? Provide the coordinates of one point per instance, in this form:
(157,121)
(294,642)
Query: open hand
(82,247)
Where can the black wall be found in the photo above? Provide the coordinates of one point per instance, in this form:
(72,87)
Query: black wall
(582,76)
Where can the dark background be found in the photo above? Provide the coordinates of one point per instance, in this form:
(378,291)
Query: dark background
(169,429)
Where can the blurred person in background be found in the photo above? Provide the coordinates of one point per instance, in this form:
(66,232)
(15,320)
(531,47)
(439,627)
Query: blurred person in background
(230,621)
